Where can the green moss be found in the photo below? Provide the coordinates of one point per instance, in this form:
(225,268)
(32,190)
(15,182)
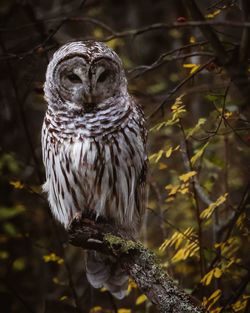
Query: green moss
(120,245)
(147,258)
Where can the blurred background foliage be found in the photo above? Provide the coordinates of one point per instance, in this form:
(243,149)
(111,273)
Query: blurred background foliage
(198,213)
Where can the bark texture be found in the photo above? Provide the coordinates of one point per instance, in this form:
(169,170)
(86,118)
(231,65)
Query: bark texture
(140,263)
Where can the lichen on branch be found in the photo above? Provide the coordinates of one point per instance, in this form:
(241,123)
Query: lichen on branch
(140,263)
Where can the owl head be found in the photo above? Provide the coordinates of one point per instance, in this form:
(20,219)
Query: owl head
(84,75)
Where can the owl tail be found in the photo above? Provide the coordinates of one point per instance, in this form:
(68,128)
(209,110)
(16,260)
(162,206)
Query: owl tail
(102,271)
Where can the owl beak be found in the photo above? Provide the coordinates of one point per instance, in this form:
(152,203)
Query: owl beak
(88,103)
(88,98)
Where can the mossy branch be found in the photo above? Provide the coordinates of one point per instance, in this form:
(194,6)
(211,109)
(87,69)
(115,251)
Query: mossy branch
(140,263)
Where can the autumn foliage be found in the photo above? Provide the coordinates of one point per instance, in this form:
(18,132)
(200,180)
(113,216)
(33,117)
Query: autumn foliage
(187,63)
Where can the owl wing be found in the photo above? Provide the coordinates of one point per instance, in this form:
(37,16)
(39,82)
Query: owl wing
(142,190)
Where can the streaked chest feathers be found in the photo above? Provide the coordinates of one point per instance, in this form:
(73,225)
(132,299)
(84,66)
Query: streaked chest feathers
(100,174)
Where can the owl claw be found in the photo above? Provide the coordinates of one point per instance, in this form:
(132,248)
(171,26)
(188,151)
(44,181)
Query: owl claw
(91,240)
(77,216)
(76,219)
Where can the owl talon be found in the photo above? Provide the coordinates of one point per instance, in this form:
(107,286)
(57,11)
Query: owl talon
(91,240)
(77,216)
(76,219)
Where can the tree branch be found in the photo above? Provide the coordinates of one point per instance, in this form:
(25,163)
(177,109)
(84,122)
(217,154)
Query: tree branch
(208,32)
(178,87)
(237,70)
(136,260)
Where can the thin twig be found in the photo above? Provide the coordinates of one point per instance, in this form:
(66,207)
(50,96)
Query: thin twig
(197,206)
(178,87)
(138,31)
(208,32)
(20,102)
(238,292)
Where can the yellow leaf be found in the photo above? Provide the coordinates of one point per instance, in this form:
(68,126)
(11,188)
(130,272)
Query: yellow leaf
(215,294)
(122,310)
(229,248)
(214,297)
(241,221)
(169,152)
(177,238)
(193,130)
(184,191)
(207,213)
(207,278)
(131,285)
(162,166)
(217,272)
(96,309)
(188,65)
(103,289)
(189,250)
(213,14)
(169,199)
(192,39)
(198,154)
(141,299)
(52,257)
(241,303)
(17,184)
(158,126)
(173,190)
(178,108)
(193,67)
(63,298)
(185,177)
(56,280)
(217,310)
(227,115)
(154,158)
(180,255)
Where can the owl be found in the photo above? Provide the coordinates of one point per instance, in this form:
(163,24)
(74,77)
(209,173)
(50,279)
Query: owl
(94,148)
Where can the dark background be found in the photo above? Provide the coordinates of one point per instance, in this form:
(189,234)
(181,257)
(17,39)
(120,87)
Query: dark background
(159,46)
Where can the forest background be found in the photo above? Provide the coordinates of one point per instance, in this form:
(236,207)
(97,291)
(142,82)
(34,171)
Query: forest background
(188,66)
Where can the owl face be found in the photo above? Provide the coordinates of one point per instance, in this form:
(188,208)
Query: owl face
(84,75)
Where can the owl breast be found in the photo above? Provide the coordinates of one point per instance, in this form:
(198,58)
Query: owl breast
(101,173)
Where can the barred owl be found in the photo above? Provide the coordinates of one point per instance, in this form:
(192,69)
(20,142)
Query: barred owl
(93,142)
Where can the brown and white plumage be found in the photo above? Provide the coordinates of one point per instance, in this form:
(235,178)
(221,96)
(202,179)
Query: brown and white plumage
(93,141)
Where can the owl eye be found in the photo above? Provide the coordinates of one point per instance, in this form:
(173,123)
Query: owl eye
(104,75)
(74,79)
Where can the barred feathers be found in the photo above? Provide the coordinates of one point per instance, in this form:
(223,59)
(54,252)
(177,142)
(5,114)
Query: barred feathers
(94,153)
(84,173)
